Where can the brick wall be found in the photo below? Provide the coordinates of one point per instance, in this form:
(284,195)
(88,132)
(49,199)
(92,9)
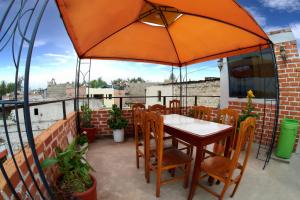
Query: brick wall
(54,136)
(289,86)
(269,119)
(100,117)
(99,120)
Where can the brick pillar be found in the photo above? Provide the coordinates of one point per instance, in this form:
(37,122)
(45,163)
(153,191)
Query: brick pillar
(289,81)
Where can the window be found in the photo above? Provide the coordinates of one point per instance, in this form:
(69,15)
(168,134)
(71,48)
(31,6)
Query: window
(110,96)
(36,111)
(252,71)
(159,95)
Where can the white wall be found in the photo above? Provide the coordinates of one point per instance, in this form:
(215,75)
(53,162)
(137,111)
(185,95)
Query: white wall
(153,91)
(102,91)
(224,85)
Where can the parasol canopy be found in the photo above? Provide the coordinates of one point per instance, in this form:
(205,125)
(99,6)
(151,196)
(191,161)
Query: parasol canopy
(171,32)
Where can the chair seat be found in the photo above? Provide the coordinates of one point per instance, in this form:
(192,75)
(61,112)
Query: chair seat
(175,157)
(167,145)
(216,165)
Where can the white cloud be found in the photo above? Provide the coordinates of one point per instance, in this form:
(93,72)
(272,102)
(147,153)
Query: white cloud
(37,43)
(58,59)
(257,16)
(285,5)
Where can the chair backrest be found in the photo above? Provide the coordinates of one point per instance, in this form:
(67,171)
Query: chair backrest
(246,133)
(155,125)
(202,112)
(139,120)
(158,108)
(174,106)
(229,117)
(135,107)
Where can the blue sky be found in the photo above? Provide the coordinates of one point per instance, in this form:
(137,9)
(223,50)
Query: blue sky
(54,56)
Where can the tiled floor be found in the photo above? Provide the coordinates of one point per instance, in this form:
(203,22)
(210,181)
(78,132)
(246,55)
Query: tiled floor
(118,178)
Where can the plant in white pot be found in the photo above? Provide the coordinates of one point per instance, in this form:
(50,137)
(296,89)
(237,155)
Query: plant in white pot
(117,123)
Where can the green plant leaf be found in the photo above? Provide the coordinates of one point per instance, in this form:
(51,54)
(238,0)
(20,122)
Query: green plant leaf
(48,162)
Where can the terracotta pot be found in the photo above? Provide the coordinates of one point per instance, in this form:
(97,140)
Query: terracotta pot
(3,155)
(90,133)
(90,194)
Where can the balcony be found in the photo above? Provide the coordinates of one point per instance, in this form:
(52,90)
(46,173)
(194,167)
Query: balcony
(117,175)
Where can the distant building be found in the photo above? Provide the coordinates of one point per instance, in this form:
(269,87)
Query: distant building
(106,95)
(70,91)
(63,90)
(137,90)
(208,87)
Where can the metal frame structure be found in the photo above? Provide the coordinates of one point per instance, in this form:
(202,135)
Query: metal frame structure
(83,80)
(18,30)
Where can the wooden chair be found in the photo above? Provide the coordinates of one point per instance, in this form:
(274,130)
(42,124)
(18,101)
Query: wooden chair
(136,106)
(138,125)
(202,112)
(174,106)
(163,159)
(223,168)
(158,108)
(229,117)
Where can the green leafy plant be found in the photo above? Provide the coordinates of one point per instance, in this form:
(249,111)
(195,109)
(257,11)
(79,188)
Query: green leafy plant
(248,111)
(86,116)
(82,139)
(73,167)
(116,121)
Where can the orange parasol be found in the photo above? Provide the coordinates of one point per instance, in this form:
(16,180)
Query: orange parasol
(171,32)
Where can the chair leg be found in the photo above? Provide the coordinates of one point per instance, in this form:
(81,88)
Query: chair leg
(158,182)
(173,172)
(223,191)
(187,169)
(235,188)
(147,171)
(136,141)
(137,159)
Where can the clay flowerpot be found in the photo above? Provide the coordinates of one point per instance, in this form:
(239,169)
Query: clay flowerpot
(90,133)
(90,194)
(3,155)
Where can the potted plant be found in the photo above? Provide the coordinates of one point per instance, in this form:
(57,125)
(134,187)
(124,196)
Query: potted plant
(74,177)
(87,126)
(82,142)
(117,123)
(248,111)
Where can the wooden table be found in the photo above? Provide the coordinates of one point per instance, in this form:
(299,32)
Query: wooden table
(198,133)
